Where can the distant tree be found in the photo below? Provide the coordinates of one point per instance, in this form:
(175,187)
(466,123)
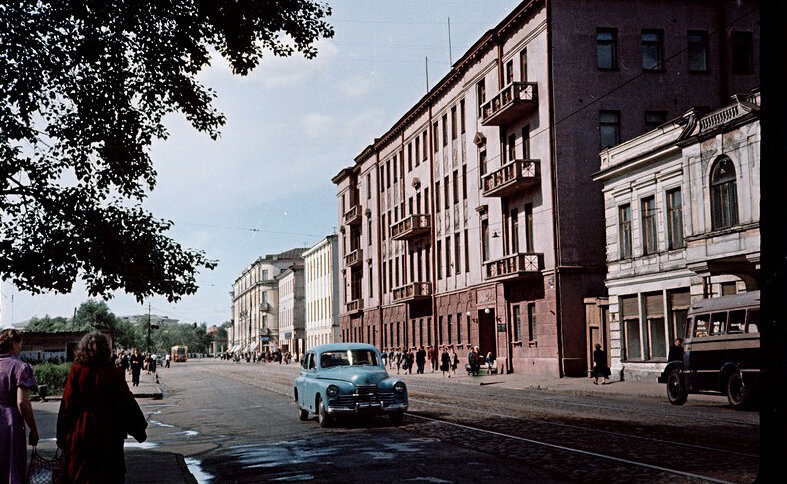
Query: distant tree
(48,324)
(84,87)
(93,314)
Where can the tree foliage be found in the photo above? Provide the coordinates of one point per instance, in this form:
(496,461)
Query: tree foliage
(84,86)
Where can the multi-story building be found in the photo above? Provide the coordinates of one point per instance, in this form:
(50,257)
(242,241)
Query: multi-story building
(255,303)
(292,317)
(474,219)
(682,219)
(321,264)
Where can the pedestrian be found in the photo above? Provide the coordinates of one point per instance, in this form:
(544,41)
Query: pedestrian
(96,414)
(167,359)
(430,356)
(398,360)
(153,363)
(420,359)
(676,351)
(410,360)
(384,357)
(600,368)
(136,363)
(489,363)
(445,362)
(126,362)
(454,360)
(16,380)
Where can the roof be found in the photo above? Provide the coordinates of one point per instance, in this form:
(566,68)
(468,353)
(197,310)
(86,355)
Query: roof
(342,346)
(725,303)
(326,241)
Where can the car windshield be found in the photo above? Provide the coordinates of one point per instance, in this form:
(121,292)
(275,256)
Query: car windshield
(348,358)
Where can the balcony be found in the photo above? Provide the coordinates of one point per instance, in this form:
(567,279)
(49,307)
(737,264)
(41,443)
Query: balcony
(411,227)
(353,216)
(354,258)
(511,103)
(265,307)
(355,306)
(512,178)
(415,291)
(514,265)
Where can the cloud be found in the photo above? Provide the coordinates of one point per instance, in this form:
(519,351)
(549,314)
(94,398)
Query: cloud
(318,125)
(355,87)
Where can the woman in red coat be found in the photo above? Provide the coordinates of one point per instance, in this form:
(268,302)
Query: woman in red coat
(96,413)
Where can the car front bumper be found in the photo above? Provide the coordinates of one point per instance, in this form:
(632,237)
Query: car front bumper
(366,407)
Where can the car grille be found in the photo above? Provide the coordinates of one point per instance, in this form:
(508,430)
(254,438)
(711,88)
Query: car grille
(367,394)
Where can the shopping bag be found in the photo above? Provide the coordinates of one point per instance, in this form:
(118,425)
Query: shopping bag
(45,471)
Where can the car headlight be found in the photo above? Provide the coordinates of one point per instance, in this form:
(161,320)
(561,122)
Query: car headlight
(332,390)
(399,387)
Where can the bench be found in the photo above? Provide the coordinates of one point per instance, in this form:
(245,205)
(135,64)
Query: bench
(482,369)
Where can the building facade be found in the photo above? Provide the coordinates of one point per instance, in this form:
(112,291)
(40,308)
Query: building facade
(474,220)
(292,316)
(321,268)
(255,303)
(682,219)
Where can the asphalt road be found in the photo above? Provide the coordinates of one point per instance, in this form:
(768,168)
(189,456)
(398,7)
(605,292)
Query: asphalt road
(238,423)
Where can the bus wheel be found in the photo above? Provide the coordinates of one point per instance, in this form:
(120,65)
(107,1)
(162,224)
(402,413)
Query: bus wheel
(737,392)
(676,389)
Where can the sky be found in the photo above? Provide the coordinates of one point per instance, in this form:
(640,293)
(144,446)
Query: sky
(265,185)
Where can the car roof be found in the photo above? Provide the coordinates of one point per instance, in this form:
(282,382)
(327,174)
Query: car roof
(726,303)
(342,346)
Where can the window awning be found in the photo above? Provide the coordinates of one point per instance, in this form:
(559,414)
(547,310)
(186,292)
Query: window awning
(253,347)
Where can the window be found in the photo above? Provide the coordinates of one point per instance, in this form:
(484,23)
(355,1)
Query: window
(482,162)
(679,302)
(435,133)
(523,65)
(382,179)
(654,315)
(485,239)
(457,257)
(674,218)
(654,119)
(448,264)
(509,72)
(467,252)
(427,206)
(517,322)
(529,227)
(741,52)
(649,239)
(440,329)
(445,129)
(448,328)
(464,182)
(729,288)
(456,186)
(526,142)
(532,332)
(369,231)
(724,196)
(382,224)
(368,186)
(652,50)
(371,285)
(462,116)
(514,231)
(607,49)
(697,46)
(447,190)
(737,321)
(388,174)
(480,91)
(624,230)
(718,323)
(753,321)
(425,145)
(396,272)
(437,196)
(459,328)
(701,325)
(609,128)
(511,151)
(629,313)
(453,122)
(427,267)
(395,177)
(439,259)
(417,150)
(409,157)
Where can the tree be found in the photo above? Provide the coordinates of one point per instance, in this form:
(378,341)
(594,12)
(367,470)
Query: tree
(48,324)
(83,90)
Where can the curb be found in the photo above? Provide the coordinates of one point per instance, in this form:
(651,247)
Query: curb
(188,477)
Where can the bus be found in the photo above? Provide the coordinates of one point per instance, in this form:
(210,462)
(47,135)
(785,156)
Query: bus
(179,352)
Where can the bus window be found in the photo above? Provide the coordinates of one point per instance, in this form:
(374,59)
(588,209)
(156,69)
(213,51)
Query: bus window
(718,323)
(701,325)
(737,321)
(753,322)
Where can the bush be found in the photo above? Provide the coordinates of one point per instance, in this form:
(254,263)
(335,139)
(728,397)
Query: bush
(52,375)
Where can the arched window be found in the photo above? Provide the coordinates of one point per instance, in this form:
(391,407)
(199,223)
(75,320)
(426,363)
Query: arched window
(724,194)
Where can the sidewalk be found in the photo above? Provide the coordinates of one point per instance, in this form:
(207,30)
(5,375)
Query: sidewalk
(148,388)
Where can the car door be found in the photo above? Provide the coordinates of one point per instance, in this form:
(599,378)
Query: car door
(309,382)
(300,382)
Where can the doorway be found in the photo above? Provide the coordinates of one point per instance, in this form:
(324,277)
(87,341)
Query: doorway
(486,332)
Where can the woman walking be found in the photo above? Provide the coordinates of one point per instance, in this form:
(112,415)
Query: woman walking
(16,379)
(600,368)
(454,361)
(445,363)
(96,413)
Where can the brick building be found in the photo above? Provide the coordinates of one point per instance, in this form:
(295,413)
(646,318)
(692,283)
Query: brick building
(474,220)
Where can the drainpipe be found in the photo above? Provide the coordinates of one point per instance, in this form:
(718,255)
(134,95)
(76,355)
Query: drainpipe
(433,248)
(555,199)
(380,274)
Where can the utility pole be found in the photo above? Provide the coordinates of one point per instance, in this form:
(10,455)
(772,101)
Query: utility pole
(148,326)
(450,52)
(426,62)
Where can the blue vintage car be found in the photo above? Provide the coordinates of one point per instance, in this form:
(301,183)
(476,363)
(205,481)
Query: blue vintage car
(347,379)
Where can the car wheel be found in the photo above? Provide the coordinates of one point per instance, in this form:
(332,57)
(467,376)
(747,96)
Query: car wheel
(737,392)
(302,414)
(396,418)
(676,389)
(322,415)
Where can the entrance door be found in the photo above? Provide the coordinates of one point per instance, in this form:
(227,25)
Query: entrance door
(486,333)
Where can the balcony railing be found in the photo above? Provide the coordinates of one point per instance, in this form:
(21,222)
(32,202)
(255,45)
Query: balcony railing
(511,178)
(513,265)
(265,307)
(512,102)
(412,292)
(354,258)
(411,227)
(354,305)
(353,216)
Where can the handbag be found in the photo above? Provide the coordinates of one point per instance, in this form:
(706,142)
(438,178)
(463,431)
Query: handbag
(46,471)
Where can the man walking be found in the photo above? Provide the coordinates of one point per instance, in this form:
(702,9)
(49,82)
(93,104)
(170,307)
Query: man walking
(432,356)
(167,360)
(420,359)
(136,362)
(676,351)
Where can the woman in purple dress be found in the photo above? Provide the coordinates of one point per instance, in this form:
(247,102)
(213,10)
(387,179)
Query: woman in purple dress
(16,378)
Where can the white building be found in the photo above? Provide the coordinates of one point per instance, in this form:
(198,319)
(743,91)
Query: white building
(292,328)
(682,224)
(322,289)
